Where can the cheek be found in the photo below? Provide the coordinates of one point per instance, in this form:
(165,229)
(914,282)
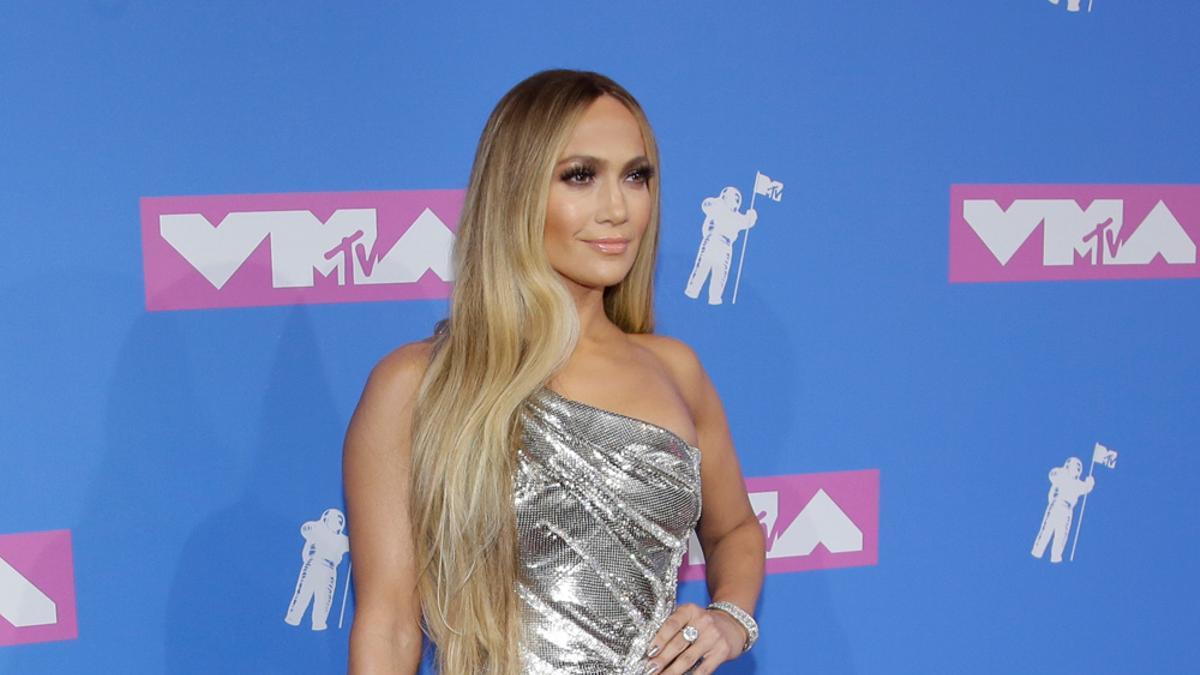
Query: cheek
(564,216)
(561,217)
(639,208)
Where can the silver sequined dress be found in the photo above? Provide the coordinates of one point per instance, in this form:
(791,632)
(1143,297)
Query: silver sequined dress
(604,505)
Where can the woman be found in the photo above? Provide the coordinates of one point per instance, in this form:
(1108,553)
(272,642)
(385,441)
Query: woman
(524,530)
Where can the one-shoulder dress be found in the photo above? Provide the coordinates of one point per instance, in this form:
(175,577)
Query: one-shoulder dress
(604,505)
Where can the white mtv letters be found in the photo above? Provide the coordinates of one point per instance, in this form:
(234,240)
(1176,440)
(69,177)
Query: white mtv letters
(21,603)
(1070,231)
(821,521)
(301,245)
(324,546)
(722,223)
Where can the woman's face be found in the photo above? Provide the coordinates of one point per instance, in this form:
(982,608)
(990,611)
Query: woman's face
(599,203)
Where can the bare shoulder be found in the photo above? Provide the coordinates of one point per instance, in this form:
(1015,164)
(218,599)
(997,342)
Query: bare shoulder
(398,374)
(381,422)
(674,353)
(681,362)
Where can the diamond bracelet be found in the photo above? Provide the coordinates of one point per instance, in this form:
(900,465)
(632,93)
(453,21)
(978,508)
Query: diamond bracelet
(747,622)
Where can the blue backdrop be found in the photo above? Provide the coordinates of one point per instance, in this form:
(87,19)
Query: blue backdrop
(184,449)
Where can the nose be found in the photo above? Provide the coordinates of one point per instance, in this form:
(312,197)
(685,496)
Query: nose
(612,206)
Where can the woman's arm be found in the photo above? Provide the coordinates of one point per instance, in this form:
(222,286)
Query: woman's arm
(729,532)
(386,635)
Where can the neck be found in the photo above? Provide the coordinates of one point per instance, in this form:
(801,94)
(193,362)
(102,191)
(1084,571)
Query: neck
(594,325)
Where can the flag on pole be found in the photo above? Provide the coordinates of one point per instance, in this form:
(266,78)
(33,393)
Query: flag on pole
(763,185)
(773,190)
(1102,455)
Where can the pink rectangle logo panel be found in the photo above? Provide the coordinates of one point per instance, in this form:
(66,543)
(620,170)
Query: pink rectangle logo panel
(811,521)
(37,588)
(206,252)
(1073,232)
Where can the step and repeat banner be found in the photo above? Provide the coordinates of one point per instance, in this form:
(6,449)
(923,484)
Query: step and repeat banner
(939,259)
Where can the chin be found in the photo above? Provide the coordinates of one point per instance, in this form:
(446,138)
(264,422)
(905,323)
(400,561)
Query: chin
(608,282)
(598,280)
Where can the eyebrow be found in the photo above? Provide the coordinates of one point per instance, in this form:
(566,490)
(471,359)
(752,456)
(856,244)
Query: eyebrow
(640,159)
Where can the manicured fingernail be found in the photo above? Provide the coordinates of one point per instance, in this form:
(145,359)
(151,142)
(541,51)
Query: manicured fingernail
(652,651)
(651,668)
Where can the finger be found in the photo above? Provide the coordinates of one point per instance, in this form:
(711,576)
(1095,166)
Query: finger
(674,623)
(679,655)
(713,653)
(712,658)
(671,652)
(687,660)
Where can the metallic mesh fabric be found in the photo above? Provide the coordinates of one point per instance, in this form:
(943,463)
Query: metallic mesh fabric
(604,506)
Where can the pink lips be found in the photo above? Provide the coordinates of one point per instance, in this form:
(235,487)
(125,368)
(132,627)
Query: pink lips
(609,245)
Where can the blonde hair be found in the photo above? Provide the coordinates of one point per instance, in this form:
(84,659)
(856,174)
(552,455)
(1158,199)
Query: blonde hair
(512,324)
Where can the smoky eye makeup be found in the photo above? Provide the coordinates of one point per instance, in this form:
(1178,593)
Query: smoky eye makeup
(581,172)
(641,173)
(578,173)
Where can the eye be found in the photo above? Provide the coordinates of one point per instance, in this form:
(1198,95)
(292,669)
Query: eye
(578,174)
(641,175)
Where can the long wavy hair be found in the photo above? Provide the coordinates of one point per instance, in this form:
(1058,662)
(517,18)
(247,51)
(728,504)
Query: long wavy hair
(512,324)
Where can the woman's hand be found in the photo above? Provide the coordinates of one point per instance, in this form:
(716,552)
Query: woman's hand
(719,639)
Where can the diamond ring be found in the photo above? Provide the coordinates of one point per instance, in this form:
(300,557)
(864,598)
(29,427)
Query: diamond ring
(690,633)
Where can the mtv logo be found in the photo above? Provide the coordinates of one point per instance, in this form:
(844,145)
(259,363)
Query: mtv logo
(37,588)
(1059,232)
(810,521)
(253,250)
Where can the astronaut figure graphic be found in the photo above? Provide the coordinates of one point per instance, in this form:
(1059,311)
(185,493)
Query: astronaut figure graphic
(324,546)
(722,223)
(1065,489)
(1072,5)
